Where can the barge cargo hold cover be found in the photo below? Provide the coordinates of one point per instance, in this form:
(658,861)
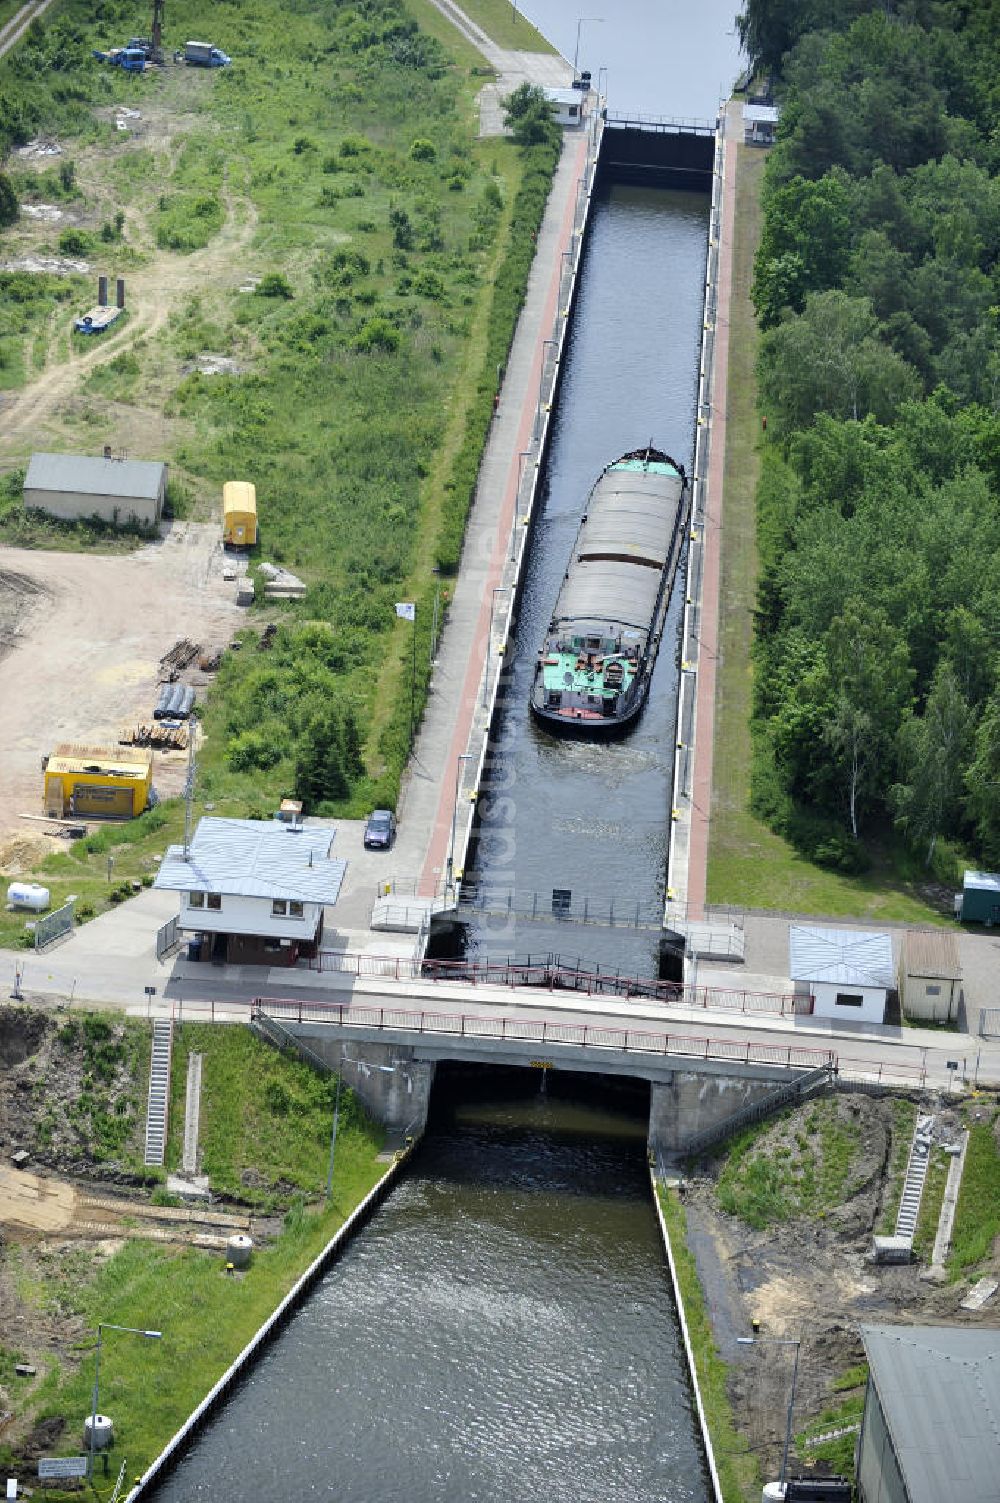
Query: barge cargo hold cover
(595,665)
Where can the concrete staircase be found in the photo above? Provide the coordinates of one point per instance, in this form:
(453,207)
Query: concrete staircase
(158,1100)
(916,1174)
(192,1115)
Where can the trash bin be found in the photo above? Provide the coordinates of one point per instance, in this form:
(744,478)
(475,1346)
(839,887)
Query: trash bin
(194,948)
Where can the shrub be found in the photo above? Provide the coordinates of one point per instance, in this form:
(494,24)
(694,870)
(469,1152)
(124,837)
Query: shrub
(274,284)
(75,243)
(423,151)
(377,335)
(8,200)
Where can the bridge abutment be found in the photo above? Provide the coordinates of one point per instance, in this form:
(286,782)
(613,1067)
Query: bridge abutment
(393,1085)
(690,1103)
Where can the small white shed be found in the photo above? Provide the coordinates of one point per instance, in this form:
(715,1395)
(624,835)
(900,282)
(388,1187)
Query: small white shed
(760,124)
(930,976)
(566,105)
(848,971)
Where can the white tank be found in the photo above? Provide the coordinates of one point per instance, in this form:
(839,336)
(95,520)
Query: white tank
(774,1492)
(238,1250)
(28,895)
(104,1432)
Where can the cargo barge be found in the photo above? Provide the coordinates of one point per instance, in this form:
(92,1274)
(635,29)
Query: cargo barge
(596,662)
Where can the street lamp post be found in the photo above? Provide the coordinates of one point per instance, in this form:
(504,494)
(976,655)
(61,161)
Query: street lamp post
(462,757)
(576,50)
(102,1326)
(781,1341)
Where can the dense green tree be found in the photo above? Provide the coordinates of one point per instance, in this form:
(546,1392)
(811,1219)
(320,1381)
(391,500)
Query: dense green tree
(528,116)
(829,359)
(933,750)
(870,678)
(804,244)
(982,782)
(8,201)
(327,758)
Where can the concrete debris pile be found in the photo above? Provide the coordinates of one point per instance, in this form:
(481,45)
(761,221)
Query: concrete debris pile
(281,584)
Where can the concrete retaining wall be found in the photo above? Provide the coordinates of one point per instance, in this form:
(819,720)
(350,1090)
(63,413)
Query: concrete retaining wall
(393,1085)
(690,1103)
(706,1438)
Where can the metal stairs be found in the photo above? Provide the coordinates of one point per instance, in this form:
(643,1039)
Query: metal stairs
(795,1091)
(916,1174)
(158,1100)
(272,1032)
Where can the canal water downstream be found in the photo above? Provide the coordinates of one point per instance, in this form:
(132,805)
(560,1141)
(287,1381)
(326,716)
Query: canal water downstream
(502,1331)
(592,817)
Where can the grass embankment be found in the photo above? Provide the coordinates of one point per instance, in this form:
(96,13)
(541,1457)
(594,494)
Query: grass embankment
(977,1215)
(335,168)
(775,1171)
(506,25)
(748,863)
(930,1203)
(265,1119)
(838,1451)
(739,1474)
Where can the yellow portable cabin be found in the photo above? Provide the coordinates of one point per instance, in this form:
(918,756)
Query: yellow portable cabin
(239,514)
(88,781)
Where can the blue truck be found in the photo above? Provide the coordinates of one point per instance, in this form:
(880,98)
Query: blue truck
(204,55)
(132,59)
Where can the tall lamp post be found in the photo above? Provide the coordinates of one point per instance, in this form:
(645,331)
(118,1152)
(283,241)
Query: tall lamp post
(794,1341)
(102,1326)
(462,757)
(576,50)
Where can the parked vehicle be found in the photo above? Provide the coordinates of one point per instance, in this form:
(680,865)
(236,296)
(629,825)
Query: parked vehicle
(204,55)
(132,59)
(380,831)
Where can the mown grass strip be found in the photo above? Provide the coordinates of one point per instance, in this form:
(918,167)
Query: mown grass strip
(904,1116)
(930,1203)
(739,1475)
(977,1216)
(507,25)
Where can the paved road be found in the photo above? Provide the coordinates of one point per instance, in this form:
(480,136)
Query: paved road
(548,70)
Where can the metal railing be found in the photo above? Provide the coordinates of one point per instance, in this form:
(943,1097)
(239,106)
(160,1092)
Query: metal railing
(167,936)
(541,1031)
(662,124)
(756,1111)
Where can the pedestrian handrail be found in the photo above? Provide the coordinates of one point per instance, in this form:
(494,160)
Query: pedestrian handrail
(527,1030)
(667,124)
(796,1090)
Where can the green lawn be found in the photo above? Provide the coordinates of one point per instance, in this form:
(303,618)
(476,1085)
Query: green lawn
(977,1216)
(748,864)
(930,1204)
(904,1116)
(798,1164)
(505,23)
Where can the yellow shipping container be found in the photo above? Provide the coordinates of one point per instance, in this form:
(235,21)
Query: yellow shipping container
(85,781)
(239,513)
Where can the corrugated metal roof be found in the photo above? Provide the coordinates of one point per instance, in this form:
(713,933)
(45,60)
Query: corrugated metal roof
(845,957)
(128,478)
(255,858)
(939,1388)
(761,114)
(982,881)
(932,952)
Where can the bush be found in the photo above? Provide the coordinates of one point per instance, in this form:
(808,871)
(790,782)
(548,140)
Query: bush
(8,200)
(75,243)
(423,151)
(274,284)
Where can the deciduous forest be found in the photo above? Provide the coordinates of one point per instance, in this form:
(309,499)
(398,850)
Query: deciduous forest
(877,693)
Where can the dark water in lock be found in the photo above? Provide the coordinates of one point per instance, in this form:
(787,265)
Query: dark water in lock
(502,1331)
(594,817)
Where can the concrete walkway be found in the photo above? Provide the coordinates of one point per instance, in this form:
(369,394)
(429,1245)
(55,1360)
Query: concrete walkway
(548,70)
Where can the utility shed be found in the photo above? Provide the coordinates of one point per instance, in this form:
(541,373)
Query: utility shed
(980,900)
(90,781)
(930,976)
(929,1432)
(76,486)
(760,124)
(849,972)
(566,105)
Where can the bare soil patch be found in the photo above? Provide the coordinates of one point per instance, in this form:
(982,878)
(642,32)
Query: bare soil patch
(810,1277)
(84,635)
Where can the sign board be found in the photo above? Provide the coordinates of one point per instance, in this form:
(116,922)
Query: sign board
(951,1064)
(150,991)
(541,1064)
(62,1466)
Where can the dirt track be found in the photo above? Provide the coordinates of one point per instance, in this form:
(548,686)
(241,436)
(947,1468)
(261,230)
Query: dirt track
(90,634)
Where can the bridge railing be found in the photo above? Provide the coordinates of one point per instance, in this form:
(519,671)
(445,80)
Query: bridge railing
(551,974)
(540,1031)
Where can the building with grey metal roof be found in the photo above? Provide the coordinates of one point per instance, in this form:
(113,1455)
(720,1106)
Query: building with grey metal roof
(254,891)
(848,971)
(75,486)
(931,1426)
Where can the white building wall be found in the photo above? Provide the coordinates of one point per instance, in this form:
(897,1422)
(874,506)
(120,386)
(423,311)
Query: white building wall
(239,915)
(872,1009)
(74,506)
